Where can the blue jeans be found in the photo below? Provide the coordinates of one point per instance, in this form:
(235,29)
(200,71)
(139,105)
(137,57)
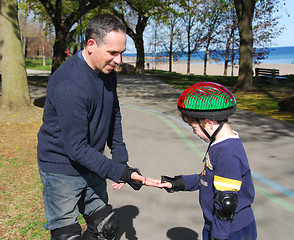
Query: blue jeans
(247,233)
(67,196)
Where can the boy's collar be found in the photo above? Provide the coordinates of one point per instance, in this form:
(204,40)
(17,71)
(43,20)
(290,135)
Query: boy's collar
(236,136)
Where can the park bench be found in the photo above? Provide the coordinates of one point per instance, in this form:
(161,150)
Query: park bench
(262,73)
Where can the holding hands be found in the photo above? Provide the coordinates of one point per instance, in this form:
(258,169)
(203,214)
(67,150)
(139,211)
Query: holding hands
(157,183)
(170,184)
(137,180)
(143,180)
(135,177)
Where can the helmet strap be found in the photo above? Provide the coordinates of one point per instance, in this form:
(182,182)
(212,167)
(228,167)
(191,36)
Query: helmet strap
(212,137)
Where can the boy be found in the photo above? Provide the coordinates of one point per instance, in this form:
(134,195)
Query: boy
(225,184)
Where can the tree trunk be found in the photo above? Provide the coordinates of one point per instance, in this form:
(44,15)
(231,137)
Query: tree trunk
(139,44)
(188,63)
(170,67)
(171,62)
(171,42)
(15,90)
(59,49)
(63,25)
(245,11)
(229,41)
(206,59)
(226,66)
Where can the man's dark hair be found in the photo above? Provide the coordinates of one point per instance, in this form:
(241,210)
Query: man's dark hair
(102,24)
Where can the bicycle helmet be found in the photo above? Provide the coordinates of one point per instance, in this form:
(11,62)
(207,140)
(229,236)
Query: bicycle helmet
(207,100)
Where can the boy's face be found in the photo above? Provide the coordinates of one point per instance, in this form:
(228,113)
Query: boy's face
(198,131)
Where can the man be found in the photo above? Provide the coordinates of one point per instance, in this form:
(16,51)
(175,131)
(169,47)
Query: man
(82,115)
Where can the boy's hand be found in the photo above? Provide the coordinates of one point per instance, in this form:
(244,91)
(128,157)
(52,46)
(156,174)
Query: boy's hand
(177,183)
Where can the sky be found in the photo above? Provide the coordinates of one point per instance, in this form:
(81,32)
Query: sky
(286,39)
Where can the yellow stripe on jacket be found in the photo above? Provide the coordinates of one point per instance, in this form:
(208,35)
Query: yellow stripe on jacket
(226,184)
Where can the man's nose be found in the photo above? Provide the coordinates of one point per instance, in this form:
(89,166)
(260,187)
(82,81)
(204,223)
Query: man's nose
(118,59)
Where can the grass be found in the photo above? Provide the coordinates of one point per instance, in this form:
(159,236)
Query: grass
(37,64)
(262,100)
(21,205)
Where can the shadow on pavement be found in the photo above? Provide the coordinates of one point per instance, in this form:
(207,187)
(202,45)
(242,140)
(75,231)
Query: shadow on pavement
(180,233)
(153,91)
(146,88)
(260,128)
(126,214)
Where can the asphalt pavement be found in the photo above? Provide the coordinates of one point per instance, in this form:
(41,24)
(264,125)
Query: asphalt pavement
(159,143)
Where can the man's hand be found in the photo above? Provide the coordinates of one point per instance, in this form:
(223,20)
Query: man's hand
(157,183)
(117,186)
(136,178)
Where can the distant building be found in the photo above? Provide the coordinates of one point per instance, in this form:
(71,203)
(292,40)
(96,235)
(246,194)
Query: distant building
(35,47)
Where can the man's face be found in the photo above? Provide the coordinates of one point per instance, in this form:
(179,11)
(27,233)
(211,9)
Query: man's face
(104,56)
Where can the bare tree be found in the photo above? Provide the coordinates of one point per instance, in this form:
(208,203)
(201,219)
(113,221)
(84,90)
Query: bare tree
(265,27)
(171,33)
(230,41)
(212,16)
(193,38)
(136,14)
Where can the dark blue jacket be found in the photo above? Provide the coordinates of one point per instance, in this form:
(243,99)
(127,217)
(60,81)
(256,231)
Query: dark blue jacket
(81,115)
(226,169)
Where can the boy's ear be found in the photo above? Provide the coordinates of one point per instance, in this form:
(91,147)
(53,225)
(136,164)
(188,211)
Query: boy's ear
(209,122)
(206,120)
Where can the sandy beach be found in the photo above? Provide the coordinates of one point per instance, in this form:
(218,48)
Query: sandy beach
(218,68)
(212,68)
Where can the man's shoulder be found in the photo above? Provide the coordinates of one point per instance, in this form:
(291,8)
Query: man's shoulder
(71,70)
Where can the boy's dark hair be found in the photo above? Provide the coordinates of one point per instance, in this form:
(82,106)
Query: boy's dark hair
(188,119)
(102,24)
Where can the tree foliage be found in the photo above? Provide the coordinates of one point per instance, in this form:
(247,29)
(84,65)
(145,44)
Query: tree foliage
(265,27)
(63,15)
(136,14)
(205,23)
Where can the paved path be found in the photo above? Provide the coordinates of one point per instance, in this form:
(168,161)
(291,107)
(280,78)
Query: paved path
(159,143)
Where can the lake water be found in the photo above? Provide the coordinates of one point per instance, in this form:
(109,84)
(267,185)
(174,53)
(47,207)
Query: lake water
(276,55)
(280,55)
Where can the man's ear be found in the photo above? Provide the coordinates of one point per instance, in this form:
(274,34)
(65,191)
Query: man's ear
(90,44)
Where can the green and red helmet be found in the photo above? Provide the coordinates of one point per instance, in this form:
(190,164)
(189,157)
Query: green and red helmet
(207,100)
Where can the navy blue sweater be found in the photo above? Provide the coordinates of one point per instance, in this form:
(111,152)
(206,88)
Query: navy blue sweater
(226,169)
(81,115)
